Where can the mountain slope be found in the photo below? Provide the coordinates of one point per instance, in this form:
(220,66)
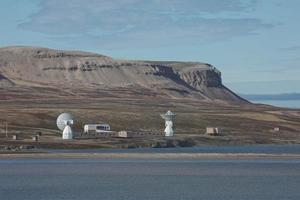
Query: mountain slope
(74,70)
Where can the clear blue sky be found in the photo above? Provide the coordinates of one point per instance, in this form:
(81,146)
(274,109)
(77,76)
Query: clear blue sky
(249,41)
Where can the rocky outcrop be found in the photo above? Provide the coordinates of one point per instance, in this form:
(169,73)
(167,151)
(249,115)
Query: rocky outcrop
(30,66)
(200,78)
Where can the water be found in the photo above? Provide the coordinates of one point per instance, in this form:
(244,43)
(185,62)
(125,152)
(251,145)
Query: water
(267,149)
(280,103)
(85,179)
(138,179)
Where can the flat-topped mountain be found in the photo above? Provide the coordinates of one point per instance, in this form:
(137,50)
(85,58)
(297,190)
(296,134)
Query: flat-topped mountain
(37,84)
(82,71)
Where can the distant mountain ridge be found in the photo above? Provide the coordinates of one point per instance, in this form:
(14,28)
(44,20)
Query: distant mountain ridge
(265,87)
(283,97)
(83,71)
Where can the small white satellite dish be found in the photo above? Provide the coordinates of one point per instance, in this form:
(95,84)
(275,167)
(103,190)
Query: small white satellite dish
(64,122)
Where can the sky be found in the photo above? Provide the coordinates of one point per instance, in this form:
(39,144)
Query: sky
(254,43)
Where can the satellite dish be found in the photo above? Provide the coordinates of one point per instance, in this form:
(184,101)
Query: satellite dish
(168,117)
(64,122)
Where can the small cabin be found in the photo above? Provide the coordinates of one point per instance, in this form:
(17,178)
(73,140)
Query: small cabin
(212,131)
(123,134)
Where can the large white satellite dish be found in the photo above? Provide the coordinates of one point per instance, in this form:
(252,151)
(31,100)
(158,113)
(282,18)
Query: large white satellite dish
(64,122)
(168,117)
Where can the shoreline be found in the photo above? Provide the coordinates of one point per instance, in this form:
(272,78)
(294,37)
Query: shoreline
(39,155)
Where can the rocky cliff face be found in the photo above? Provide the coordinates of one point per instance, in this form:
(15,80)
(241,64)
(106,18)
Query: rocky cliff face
(41,67)
(199,78)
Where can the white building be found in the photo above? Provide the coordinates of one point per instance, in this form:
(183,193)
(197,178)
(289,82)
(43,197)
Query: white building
(96,127)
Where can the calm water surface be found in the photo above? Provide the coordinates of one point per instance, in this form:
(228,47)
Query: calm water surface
(280,103)
(124,179)
(268,149)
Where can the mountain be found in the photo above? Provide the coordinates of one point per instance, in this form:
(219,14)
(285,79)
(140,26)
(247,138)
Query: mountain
(37,84)
(90,73)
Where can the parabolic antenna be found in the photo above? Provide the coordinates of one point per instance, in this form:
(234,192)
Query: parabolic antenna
(64,122)
(61,120)
(168,117)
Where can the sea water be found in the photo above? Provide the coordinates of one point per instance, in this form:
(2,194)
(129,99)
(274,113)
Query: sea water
(266,149)
(138,179)
(280,103)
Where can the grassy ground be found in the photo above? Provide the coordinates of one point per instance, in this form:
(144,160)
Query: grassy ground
(239,124)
